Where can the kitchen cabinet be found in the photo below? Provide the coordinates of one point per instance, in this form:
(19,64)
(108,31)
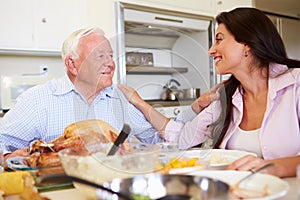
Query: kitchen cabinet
(16,24)
(289,29)
(39,24)
(200,7)
(286,16)
(227,5)
(54,20)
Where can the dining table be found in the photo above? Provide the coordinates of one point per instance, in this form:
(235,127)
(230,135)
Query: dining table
(74,194)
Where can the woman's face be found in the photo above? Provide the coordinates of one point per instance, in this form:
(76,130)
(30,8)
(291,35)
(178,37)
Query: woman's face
(228,54)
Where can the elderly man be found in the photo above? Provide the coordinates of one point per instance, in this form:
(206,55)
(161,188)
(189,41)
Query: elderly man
(85,92)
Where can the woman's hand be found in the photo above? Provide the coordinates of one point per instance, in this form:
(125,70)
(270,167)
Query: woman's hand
(131,95)
(247,163)
(283,167)
(205,99)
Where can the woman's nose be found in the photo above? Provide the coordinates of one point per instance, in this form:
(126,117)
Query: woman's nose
(212,50)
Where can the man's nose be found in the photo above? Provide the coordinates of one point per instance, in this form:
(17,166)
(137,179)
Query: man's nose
(109,60)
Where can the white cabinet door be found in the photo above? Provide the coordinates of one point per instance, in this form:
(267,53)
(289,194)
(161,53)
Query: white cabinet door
(55,20)
(16,22)
(39,24)
(227,5)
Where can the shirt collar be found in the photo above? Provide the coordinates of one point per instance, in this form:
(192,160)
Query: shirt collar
(67,86)
(280,77)
(64,86)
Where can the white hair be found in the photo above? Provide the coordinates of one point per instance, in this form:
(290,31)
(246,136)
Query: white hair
(69,47)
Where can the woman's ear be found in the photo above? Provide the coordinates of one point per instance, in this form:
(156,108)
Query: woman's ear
(70,64)
(246,50)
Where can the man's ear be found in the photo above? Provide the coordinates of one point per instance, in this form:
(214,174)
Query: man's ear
(70,64)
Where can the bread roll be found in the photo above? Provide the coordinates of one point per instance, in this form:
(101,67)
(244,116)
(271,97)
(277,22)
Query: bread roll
(15,182)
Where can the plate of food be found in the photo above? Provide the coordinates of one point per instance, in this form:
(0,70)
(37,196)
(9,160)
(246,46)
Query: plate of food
(24,163)
(44,159)
(208,158)
(259,187)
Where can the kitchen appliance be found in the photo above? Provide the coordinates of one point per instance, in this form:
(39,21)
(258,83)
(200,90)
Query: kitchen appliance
(171,92)
(178,43)
(12,86)
(191,93)
(139,59)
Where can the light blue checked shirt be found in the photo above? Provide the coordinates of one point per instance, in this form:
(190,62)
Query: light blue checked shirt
(45,110)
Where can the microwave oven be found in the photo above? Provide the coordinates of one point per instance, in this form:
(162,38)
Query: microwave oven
(12,86)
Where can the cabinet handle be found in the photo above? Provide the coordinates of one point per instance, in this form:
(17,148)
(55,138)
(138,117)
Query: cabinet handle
(169,20)
(44,20)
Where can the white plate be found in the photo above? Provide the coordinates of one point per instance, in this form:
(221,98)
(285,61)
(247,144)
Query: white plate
(276,187)
(215,158)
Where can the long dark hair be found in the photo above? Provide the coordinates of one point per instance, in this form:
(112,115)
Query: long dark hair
(252,27)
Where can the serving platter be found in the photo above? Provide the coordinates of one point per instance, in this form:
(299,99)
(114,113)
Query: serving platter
(22,163)
(210,158)
(274,186)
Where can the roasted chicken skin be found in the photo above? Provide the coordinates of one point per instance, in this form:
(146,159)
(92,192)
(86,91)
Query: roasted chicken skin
(76,135)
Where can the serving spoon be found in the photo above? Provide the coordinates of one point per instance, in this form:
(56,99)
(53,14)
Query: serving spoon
(120,139)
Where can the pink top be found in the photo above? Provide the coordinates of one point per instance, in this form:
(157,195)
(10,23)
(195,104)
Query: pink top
(279,132)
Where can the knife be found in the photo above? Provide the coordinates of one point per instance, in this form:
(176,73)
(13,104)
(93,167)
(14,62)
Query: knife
(120,139)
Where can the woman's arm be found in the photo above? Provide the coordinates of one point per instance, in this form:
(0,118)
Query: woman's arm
(158,120)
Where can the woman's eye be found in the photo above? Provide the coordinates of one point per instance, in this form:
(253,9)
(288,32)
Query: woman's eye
(218,40)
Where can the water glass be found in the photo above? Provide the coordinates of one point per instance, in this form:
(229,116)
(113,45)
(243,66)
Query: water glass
(298,181)
(1,157)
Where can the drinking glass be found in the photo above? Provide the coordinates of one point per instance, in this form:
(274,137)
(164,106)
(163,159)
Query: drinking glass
(1,156)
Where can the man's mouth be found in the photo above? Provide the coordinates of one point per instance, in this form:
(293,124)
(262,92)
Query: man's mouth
(106,73)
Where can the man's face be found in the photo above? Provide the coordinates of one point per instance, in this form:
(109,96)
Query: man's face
(95,63)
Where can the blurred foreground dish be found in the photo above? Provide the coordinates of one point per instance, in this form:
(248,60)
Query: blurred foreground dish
(97,167)
(19,183)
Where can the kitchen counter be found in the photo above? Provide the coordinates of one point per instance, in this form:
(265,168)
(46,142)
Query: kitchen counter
(76,195)
(162,103)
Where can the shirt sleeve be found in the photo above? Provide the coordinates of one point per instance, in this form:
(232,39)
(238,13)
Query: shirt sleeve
(186,115)
(141,128)
(192,132)
(19,124)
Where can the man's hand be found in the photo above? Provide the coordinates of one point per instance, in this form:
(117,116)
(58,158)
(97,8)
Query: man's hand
(19,152)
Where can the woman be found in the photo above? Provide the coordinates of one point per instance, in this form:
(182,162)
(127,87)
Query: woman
(259,108)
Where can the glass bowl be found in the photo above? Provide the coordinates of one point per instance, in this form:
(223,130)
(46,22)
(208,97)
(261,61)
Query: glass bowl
(94,165)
